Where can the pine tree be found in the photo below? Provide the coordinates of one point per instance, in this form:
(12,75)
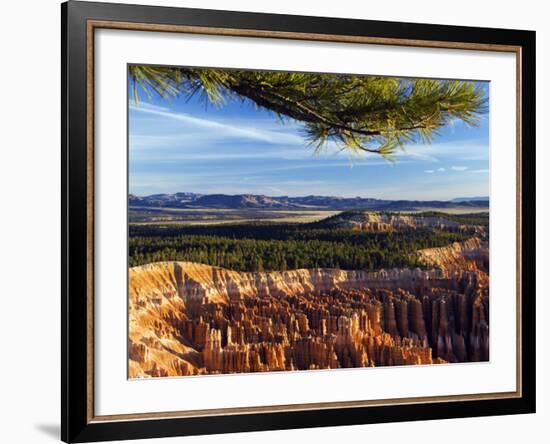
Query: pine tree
(359,113)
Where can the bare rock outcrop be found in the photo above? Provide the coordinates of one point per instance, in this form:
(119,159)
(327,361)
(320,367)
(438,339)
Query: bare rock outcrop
(390,222)
(471,254)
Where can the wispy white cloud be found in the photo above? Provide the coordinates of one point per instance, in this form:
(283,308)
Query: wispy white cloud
(443,170)
(347,163)
(144,106)
(182,154)
(483,170)
(222,128)
(464,150)
(452,168)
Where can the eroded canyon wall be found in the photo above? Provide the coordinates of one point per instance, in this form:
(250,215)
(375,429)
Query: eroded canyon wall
(189,319)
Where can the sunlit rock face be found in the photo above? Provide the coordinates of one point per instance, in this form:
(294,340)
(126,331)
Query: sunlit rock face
(471,254)
(191,319)
(388,222)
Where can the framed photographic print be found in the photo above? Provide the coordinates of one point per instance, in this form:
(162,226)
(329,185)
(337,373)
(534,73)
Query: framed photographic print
(277,221)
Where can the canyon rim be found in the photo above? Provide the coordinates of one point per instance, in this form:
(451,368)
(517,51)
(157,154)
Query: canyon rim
(282,221)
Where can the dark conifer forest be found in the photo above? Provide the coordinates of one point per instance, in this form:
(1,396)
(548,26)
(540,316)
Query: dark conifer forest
(275,246)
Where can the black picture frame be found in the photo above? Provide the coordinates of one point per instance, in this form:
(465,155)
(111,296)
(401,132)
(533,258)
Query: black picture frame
(76,423)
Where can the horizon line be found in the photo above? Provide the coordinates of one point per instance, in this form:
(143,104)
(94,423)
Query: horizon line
(466,198)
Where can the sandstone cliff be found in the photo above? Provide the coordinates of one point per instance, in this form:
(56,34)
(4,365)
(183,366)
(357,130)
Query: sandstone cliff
(472,254)
(388,222)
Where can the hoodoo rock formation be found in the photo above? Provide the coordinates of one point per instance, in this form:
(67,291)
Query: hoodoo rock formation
(190,319)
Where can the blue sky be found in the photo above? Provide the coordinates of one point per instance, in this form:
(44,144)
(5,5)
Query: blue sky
(182,145)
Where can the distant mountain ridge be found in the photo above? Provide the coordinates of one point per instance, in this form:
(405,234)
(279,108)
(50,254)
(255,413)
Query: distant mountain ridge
(260,201)
(470,199)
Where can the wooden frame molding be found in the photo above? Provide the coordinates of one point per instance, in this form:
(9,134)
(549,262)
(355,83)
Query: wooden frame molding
(80,21)
(92,25)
